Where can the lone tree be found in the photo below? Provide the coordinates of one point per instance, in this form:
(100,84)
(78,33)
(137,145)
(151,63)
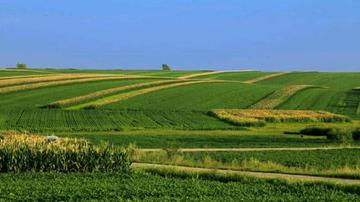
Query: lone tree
(165,67)
(21,66)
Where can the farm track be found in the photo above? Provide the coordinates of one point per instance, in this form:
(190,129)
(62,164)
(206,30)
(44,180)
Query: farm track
(123,96)
(250,149)
(15,88)
(265,77)
(200,74)
(267,175)
(279,96)
(110,91)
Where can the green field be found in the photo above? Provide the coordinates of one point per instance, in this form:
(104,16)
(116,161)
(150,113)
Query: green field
(154,123)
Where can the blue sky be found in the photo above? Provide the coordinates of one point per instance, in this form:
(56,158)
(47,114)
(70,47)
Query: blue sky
(273,35)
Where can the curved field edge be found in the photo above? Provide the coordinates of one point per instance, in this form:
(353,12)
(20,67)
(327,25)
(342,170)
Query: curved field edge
(279,96)
(35,98)
(105,92)
(123,96)
(204,96)
(23,87)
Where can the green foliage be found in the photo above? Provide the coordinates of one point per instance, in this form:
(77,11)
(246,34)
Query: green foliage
(20,153)
(165,67)
(163,186)
(51,106)
(339,135)
(315,131)
(106,120)
(356,134)
(21,66)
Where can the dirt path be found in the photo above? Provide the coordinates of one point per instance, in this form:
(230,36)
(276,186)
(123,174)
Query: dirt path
(267,175)
(250,149)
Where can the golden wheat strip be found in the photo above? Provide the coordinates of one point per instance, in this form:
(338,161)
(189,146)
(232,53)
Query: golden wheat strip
(124,96)
(265,77)
(262,113)
(278,97)
(109,91)
(23,76)
(23,70)
(55,83)
(255,115)
(200,74)
(52,77)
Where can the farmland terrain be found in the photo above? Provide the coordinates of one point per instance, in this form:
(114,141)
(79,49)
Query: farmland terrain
(191,135)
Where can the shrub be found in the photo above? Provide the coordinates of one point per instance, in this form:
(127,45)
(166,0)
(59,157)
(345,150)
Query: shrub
(356,134)
(315,131)
(165,67)
(339,135)
(21,66)
(91,107)
(51,106)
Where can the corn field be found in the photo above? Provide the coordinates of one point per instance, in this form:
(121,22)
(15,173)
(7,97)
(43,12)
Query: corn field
(24,152)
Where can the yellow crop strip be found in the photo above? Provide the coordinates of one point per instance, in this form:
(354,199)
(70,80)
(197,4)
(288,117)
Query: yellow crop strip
(23,76)
(265,77)
(109,91)
(200,74)
(278,97)
(256,116)
(10,89)
(124,96)
(52,77)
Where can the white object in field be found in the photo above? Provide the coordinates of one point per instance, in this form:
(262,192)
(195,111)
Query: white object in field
(52,138)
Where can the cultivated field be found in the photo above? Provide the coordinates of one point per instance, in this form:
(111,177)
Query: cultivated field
(115,135)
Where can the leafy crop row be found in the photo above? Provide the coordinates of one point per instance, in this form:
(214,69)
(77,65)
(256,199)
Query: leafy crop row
(162,187)
(24,152)
(103,120)
(127,95)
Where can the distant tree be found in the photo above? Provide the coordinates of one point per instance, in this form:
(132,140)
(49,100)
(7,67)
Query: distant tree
(165,67)
(21,66)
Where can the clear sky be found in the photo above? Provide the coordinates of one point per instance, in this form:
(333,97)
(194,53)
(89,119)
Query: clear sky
(187,34)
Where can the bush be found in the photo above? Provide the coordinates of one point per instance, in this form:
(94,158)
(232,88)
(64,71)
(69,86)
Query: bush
(21,66)
(339,135)
(51,106)
(165,67)
(91,107)
(356,134)
(315,131)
